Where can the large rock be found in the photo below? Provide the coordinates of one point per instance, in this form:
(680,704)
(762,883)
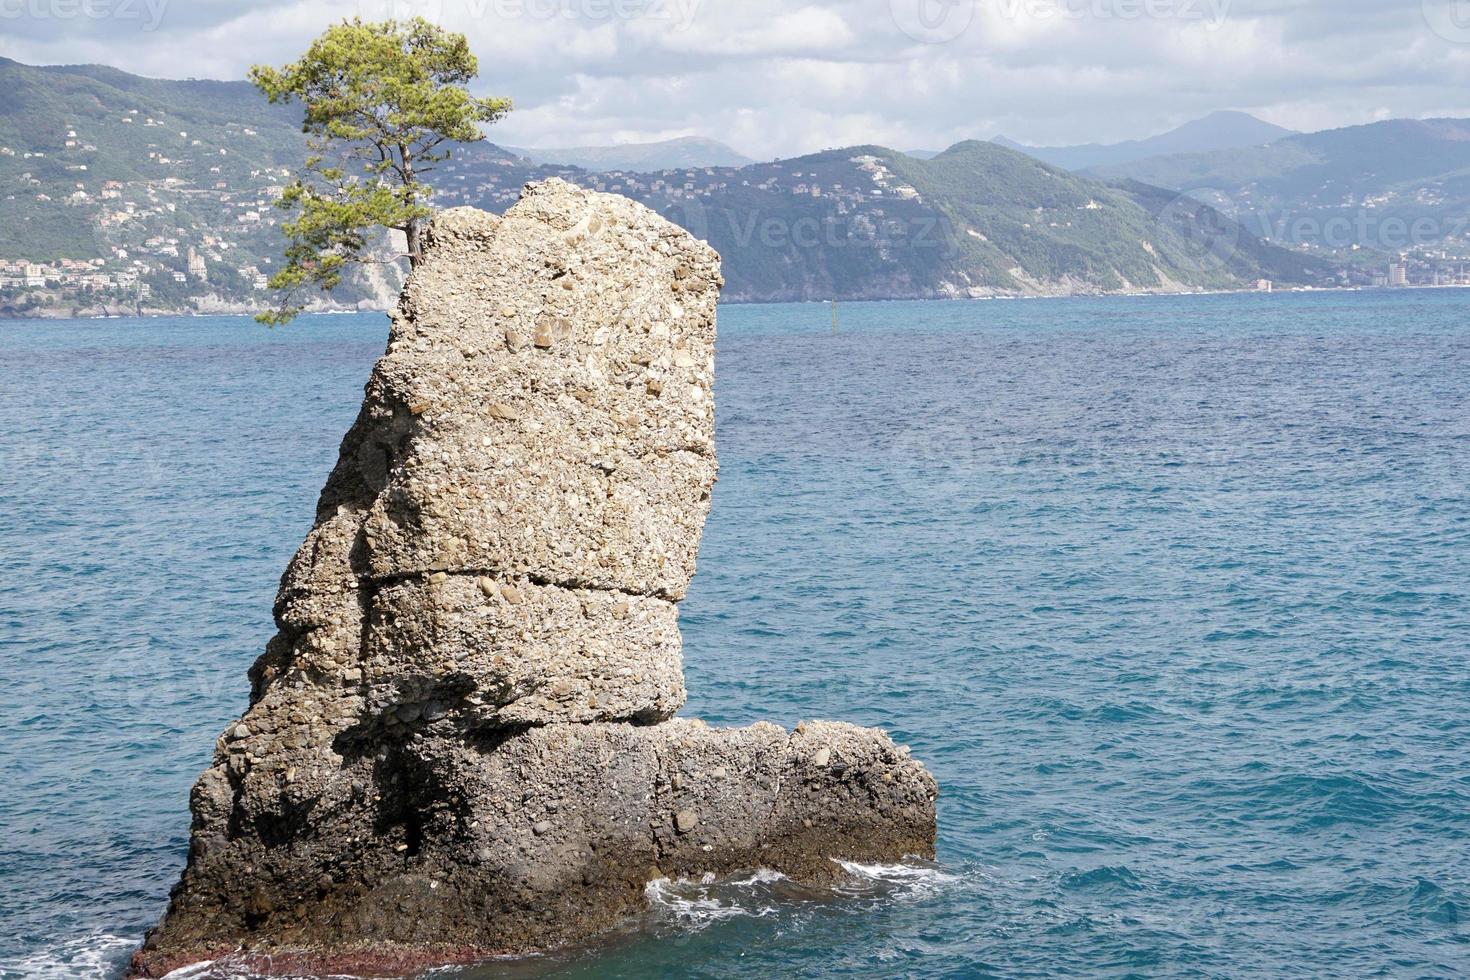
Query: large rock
(460,743)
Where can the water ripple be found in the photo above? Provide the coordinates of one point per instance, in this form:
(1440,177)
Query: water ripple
(1170,594)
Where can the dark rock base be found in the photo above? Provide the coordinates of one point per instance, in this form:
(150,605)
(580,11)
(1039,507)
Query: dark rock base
(462,850)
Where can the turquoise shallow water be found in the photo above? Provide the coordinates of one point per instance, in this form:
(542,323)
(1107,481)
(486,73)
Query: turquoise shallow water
(1171,595)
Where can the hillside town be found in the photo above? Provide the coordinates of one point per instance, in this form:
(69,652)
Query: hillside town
(193,228)
(196,228)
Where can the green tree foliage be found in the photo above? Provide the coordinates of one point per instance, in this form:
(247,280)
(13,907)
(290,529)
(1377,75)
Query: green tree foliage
(384,102)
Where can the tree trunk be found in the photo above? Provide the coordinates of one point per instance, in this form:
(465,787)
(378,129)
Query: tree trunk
(415,244)
(413,231)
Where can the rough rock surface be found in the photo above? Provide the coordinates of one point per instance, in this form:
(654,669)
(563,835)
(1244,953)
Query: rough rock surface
(460,742)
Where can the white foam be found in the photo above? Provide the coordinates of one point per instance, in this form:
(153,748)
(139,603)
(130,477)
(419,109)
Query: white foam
(102,956)
(193,972)
(760,876)
(693,910)
(691,904)
(223,970)
(912,880)
(698,904)
(94,957)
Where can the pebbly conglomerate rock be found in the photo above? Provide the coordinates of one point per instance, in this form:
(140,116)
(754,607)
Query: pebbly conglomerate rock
(461,742)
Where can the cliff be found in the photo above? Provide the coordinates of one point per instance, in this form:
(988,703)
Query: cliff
(462,740)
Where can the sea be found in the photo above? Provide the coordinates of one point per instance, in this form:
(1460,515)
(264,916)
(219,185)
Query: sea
(1172,594)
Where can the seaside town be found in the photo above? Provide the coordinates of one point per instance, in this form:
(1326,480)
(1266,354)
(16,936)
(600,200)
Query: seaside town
(138,212)
(196,234)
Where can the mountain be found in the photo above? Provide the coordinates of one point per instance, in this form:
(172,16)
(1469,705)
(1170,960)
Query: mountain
(871,223)
(1360,185)
(1217,131)
(676,154)
(1030,227)
(121,194)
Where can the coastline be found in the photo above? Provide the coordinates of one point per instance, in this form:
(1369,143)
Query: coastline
(157,313)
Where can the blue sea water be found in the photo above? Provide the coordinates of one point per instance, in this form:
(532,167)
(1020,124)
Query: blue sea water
(1171,594)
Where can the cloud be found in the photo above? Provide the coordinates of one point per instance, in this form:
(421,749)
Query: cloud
(781,77)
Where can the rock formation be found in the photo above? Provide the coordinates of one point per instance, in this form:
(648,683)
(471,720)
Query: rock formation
(462,742)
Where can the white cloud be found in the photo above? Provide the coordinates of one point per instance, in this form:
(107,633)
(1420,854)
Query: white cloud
(781,77)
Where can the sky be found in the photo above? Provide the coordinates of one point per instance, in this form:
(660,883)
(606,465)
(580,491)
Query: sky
(776,78)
